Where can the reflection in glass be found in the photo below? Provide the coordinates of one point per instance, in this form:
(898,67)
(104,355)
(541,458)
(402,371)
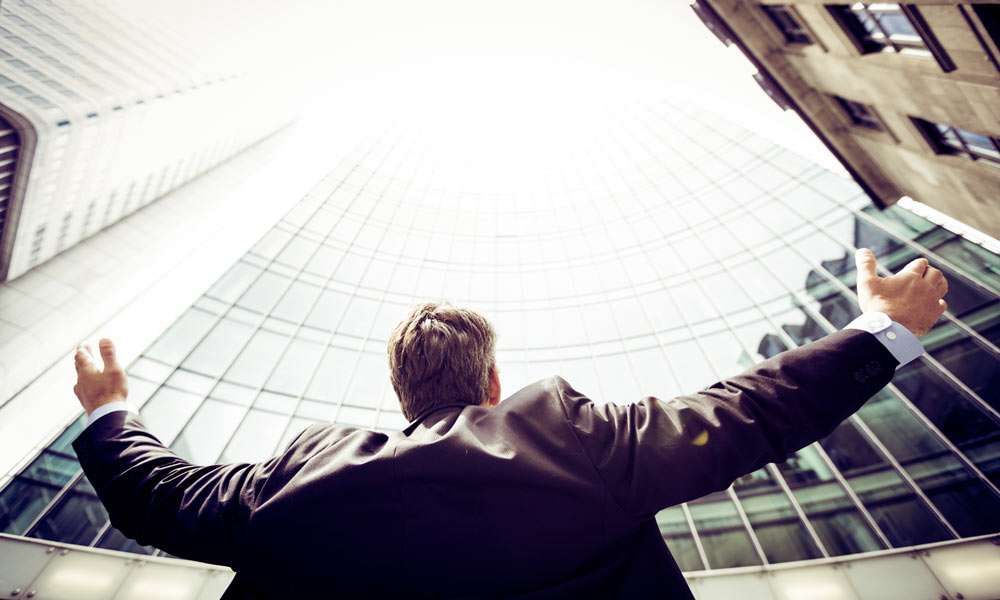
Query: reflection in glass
(779,530)
(206,433)
(36,486)
(75,519)
(112,539)
(837,521)
(963,422)
(722,534)
(674,528)
(963,499)
(901,516)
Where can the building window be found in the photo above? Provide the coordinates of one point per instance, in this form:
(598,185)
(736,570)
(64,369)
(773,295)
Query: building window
(986,26)
(859,114)
(786,21)
(889,27)
(989,16)
(947,139)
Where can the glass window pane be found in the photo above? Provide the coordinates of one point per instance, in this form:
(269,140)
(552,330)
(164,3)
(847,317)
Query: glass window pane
(296,367)
(264,292)
(967,359)
(895,23)
(258,358)
(723,536)
(31,491)
(979,262)
(257,437)
(232,285)
(963,499)
(297,302)
(725,353)
(676,533)
(977,142)
(904,519)
(167,412)
(836,520)
(76,518)
(369,381)
(333,375)
(215,353)
(954,414)
(177,341)
(359,316)
(690,366)
(328,310)
(208,431)
(779,530)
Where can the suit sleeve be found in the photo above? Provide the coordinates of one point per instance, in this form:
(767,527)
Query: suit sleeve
(655,453)
(159,499)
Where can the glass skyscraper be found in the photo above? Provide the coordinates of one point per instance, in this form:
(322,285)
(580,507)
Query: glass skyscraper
(669,250)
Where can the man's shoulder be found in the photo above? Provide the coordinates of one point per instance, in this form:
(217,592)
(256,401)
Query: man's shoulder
(546,395)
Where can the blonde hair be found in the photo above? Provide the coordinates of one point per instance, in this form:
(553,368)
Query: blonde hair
(441,354)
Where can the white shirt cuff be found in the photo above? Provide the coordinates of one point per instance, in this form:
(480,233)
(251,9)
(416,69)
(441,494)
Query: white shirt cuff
(898,340)
(107,409)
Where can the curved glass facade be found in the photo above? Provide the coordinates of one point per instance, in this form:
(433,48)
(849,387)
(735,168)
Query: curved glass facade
(673,249)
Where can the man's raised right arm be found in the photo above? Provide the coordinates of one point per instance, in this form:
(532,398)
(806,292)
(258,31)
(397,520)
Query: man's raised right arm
(656,453)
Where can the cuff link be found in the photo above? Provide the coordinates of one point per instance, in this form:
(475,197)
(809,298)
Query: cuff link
(877,321)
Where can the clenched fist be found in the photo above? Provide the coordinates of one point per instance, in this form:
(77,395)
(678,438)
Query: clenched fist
(911,297)
(95,387)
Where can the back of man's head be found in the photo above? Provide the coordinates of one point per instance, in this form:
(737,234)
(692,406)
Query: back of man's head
(441,354)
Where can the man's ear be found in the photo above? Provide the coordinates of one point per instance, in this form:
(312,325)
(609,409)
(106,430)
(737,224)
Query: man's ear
(494,396)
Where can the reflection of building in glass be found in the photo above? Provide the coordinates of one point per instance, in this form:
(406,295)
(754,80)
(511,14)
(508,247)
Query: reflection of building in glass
(671,250)
(905,95)
(115,105)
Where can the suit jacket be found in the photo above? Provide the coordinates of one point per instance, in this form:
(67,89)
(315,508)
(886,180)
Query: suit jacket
(546,495)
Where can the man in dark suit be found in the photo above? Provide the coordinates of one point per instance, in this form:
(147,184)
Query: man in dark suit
(545,494)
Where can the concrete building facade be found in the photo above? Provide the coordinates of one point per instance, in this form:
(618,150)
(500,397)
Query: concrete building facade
(112,105)
(907,96)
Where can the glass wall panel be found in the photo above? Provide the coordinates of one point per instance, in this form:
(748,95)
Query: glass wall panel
(959,418)
(683,249)
(112,539)
(836,519)
(966,501)
(206,433)
(779,530)
(721,531)
(76,517)
(177,341)
(676,533)
(257,437)
(32,490)
(903,517)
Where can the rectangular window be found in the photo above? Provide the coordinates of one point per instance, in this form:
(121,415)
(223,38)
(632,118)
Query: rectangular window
(786,22)
(948,139)
(859,114)
(889,27)
(989,15)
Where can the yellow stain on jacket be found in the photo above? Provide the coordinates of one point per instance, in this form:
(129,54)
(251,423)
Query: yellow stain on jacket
(701,439)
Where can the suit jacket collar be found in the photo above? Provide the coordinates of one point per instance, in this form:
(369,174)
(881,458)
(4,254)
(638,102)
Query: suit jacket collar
(420,417)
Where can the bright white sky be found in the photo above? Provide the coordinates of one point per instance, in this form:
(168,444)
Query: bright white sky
(449,62)
(536,55)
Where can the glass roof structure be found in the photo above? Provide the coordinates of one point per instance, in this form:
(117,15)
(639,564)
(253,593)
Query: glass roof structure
(662,251)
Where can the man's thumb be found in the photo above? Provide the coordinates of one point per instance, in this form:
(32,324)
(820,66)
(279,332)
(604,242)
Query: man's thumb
(865,260)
